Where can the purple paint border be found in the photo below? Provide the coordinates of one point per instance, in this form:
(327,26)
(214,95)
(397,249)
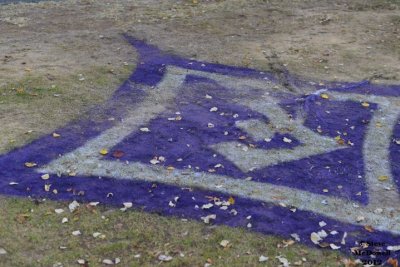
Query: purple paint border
(266,218)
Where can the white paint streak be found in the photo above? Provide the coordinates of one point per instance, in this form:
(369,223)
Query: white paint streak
(86,159)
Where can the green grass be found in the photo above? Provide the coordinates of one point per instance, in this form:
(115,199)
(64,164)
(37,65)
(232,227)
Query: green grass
(32,234)
(28,101)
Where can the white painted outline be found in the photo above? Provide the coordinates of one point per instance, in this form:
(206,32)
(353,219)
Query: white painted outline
(87,161)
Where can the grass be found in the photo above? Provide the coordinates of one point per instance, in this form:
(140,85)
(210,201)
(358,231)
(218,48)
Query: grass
(28,101)
(32,234)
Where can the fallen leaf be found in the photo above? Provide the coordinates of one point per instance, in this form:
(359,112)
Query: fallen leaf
(103,151)
(76,233)
(393,262)
(154,161)
(369,228)
(360,218)
(296,237)
(322,224)
(365,104)
(22,218)
(81,261)
(58,211)
(165,258)
(47,187)
(224,243)
(383,178)
(145,129)
(231,200)
(284,261)
(207,206)
(30,164)
(3,251)
(118,154)
(73,206)
(262,258)
(334,247)
(324,96)
(108,262)
(393,248)
(45,176)
(127,205)
(207,218)
(287,140)
(315,238)
(96,234)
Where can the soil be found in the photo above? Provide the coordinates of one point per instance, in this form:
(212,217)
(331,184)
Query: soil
(51,44)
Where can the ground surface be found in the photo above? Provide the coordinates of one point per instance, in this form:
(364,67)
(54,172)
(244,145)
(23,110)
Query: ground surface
(46,48)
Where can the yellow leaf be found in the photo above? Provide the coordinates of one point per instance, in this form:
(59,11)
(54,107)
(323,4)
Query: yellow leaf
(325,96)
(369,228)
(104,151)
(47,187)
(30,164)
(365,104)
(383,178)
(231,200)
(45,176)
